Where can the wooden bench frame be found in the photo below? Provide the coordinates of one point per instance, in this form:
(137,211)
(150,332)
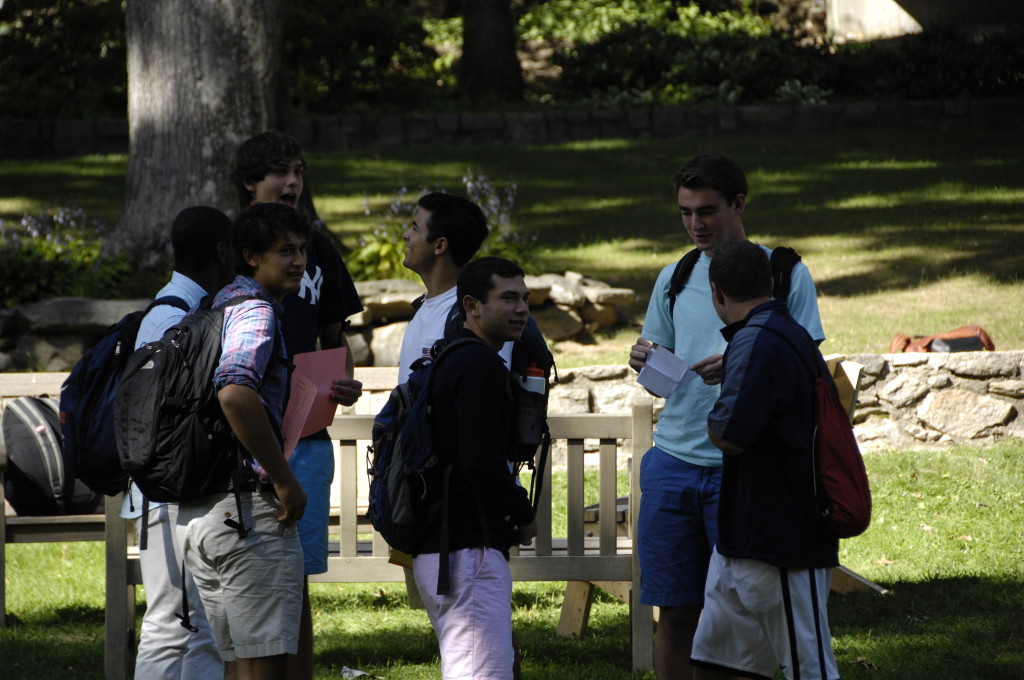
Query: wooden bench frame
(574,558)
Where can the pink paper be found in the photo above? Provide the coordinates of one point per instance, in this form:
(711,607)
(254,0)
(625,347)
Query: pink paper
(310,407)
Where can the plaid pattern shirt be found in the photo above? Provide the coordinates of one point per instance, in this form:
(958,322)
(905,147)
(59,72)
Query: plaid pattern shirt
(247,350)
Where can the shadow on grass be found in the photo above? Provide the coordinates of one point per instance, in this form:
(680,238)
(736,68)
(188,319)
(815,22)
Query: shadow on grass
(948,628)
(67,646)
(384,642)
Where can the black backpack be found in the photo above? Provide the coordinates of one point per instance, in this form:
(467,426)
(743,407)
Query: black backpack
(404,470)
(783,260)
(40,477)
(172,436)
(87,402)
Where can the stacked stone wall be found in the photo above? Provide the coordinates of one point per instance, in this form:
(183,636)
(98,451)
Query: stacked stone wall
(34,138)
(905,400)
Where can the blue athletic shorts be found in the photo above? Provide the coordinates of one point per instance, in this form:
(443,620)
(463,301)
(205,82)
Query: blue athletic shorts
(312,461)
(676,528)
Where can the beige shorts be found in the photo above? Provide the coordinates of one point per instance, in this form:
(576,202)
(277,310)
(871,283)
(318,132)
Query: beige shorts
(252,587)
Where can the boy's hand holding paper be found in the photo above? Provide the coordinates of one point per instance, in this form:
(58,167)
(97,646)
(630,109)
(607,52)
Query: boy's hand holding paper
(664,372)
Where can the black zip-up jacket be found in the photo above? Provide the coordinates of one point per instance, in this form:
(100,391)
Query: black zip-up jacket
(472,417)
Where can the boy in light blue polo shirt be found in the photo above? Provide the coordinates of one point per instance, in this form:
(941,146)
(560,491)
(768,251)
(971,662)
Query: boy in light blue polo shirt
(680,477)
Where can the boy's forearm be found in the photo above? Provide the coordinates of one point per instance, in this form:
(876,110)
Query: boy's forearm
(726,447)
(248,419)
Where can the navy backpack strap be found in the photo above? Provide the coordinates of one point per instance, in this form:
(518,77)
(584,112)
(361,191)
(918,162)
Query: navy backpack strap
(171,300)
(680,276)
(783,260)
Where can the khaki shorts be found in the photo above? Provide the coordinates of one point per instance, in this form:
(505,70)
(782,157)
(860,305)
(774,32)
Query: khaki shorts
(252,587)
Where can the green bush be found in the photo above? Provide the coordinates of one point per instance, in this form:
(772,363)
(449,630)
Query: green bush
(936,64)
(59,253)
(359,57)
(373,56)
(68,57)
(694,58)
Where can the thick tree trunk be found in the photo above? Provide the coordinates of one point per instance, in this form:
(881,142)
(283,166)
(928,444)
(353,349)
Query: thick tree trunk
(489,70)
(203,75)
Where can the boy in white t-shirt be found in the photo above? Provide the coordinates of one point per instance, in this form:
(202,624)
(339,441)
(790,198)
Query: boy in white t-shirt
(445,233)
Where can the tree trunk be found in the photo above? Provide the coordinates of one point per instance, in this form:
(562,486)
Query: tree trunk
(203,75)
(489,70)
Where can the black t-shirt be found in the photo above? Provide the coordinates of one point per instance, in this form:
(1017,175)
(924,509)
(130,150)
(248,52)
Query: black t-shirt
(328,295)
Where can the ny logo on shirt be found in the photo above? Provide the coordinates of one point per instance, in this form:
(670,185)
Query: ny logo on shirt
(310,288)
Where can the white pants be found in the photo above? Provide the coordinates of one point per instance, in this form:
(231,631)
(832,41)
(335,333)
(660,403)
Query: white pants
(473,623)
(167,651)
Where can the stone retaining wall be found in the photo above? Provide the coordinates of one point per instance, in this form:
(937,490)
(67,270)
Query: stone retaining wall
(51,335)
(905,400)
(34,138)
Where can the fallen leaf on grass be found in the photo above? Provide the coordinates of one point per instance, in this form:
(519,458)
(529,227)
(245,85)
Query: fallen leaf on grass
(864,663)
(925,527)
(884,561)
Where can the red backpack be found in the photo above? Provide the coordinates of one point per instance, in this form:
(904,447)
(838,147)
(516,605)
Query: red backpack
(841,490)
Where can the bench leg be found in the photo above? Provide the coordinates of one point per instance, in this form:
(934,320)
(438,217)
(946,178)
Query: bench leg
(119,645)
(572,623)
(415,601)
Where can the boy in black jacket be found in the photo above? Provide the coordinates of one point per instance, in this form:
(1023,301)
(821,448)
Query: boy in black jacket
(489,511)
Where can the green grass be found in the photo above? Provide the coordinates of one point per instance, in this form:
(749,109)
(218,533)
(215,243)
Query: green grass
(947,541)
(912,232)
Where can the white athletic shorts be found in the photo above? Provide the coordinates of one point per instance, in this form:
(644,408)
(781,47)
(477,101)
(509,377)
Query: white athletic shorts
(251,587)
(759,617)
(473,623)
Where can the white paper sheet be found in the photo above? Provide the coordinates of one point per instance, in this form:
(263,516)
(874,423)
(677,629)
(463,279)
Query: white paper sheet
(664,372)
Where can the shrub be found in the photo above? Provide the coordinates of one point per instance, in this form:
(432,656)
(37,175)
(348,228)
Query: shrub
(59,253)
(722,59)
(358,57)
(69,58)
(936,64)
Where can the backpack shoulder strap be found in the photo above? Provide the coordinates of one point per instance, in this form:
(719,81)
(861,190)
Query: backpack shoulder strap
(680,276)
(170,300)
(783,260)
(800,355)
(453,323)
(532,348)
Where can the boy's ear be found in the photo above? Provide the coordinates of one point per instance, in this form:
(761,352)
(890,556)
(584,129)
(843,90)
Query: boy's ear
(717,293)
(738,203)
(471,305)
(251,258)
(440,245)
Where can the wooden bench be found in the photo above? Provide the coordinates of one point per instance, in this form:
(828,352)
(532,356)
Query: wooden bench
(357,554)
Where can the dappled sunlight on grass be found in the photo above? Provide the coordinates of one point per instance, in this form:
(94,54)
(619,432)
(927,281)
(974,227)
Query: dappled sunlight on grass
(876,215)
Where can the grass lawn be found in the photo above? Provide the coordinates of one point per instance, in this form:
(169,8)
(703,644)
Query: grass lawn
(912,232)
(946,540)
